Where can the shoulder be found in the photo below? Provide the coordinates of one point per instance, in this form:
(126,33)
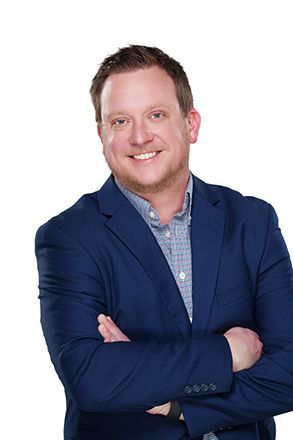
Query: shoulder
(235,198)
(76,222)
(236,205)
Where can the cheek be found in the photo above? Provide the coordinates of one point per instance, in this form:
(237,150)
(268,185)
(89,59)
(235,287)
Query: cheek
(108,142)
(114,145)
(181,134)
(174,132)
(107,138)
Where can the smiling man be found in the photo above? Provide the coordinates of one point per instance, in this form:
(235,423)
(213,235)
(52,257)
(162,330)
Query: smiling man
(166,301)
(146,145)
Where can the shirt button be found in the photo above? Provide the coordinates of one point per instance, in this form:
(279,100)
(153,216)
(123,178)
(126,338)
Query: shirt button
(152,214)
(167,233)
(182,275)
(188,389)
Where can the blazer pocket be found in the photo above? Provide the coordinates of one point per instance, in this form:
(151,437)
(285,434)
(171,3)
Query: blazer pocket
(235,294)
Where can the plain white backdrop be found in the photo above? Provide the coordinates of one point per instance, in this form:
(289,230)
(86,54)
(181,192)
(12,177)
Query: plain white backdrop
(238,56)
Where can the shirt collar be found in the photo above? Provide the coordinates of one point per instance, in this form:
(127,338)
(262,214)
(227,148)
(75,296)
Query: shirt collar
(145,208)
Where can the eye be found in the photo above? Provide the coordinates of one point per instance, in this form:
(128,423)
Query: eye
(119,122)
(158,115)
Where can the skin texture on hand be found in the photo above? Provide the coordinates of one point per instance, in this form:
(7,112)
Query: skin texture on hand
(112,333)
(246,347)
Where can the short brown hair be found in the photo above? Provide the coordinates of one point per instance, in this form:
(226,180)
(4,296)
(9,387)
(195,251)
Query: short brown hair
(136,57)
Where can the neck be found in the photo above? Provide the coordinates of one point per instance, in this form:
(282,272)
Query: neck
(170,200)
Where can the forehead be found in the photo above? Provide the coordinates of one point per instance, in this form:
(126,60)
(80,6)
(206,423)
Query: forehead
(138,90)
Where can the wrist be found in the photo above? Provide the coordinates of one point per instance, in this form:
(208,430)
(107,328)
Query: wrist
(175,411)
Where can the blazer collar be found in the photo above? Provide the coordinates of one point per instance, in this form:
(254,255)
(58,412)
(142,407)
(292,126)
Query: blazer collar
(207,233)
(206,238)
(110,198)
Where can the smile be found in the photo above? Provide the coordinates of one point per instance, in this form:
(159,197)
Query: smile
(145,155)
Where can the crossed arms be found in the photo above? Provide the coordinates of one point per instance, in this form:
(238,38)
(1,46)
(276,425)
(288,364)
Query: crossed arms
(105,377)
(245,346)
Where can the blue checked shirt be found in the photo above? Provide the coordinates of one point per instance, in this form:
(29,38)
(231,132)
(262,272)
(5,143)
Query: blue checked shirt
(174,240)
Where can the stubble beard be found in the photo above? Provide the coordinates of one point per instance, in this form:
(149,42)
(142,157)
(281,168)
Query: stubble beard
(168,179)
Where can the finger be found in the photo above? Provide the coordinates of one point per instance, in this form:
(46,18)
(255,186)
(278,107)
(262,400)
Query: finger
(108,337)
(107,322)
(102,329)
(152,410)
(112,327)
(112,332)
(106,334)
(102,318)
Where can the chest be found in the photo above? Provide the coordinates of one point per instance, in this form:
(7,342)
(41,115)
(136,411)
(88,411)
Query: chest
(144,303)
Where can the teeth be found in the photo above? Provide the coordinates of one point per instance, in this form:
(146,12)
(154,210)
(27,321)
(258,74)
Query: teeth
(145,156)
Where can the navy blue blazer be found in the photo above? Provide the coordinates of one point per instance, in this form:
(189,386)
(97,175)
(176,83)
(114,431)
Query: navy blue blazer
(99,256)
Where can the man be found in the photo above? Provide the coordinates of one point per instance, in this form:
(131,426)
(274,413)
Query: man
(166,302)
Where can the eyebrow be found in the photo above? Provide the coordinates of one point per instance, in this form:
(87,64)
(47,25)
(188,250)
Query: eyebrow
(158,104)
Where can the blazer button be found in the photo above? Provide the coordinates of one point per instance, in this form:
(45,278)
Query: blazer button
(188,389)
(204,388)
(212,386)
(196,388)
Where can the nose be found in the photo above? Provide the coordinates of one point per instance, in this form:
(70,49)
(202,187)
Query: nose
(140,134)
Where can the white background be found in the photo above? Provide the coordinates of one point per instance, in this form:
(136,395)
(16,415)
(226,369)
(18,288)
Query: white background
(238,56)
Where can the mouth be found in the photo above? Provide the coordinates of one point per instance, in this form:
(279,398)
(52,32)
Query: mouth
(145,156)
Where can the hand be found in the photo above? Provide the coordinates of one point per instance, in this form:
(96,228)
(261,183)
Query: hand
(163,410)
(245,346)
(112,333)
(109,330)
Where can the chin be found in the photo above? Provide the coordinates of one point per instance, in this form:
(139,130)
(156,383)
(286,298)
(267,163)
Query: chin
(147,186)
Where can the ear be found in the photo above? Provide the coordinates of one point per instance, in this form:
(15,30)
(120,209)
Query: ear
(99,130)
(193,120)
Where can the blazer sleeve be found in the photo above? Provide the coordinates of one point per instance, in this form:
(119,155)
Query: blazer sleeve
(266,389)
(118,376)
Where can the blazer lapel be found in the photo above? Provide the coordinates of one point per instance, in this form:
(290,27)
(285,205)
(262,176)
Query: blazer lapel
(207,229)
(128,225)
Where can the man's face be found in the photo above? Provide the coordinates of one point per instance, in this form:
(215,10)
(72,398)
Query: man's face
(144,135)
